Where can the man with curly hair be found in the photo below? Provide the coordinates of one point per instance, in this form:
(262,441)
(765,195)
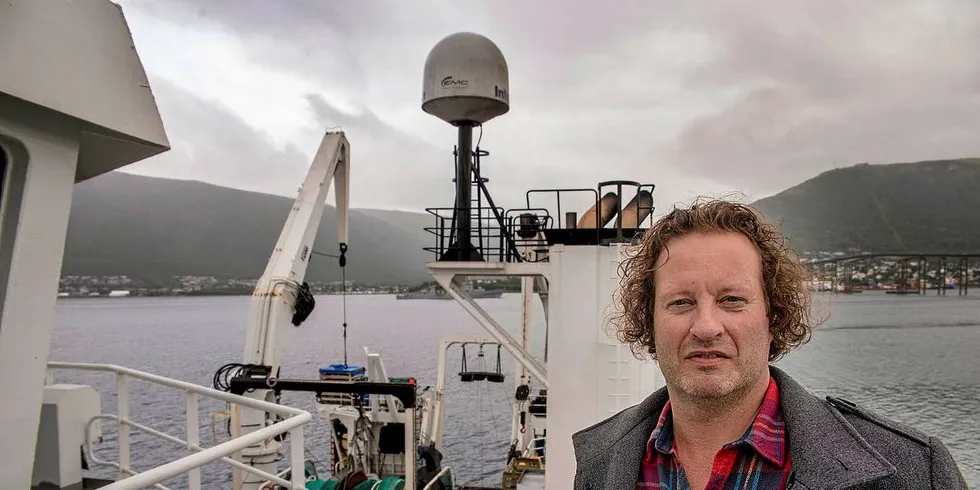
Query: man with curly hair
(713,294)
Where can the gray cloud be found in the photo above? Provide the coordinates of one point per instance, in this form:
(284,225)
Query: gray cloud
(835,83)
(392,168)
(212,144)
(699,97)
(561,131)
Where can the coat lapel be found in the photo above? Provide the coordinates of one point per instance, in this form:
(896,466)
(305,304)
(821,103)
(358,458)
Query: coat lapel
(825,450)
(626,456)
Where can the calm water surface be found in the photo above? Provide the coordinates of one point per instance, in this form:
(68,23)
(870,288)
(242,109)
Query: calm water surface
(910,358)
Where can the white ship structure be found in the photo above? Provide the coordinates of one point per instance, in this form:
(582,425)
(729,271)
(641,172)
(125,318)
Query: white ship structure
(75,105)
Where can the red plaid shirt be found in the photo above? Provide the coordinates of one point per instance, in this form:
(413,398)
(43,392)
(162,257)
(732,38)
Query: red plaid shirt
(759,460)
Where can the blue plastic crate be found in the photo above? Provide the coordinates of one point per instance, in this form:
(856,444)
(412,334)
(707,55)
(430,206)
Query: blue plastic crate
(342,369)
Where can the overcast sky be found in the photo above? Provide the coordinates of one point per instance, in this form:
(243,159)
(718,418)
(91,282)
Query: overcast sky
(699,97)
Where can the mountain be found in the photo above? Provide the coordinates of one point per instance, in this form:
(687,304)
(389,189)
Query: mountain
(153,229)
(901,207)
(414,224)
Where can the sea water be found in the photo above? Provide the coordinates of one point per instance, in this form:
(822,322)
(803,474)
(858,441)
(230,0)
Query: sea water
(911,358)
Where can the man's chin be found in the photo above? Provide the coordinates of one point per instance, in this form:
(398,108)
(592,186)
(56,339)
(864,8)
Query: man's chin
(708,385)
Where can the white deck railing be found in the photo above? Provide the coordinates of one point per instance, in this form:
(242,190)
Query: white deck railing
(435,479)
(198,457)
(530,448)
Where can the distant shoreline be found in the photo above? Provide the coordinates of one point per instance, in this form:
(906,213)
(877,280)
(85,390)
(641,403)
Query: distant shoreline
(192,295)
(214,294)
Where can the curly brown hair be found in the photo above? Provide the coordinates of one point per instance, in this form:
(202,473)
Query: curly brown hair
(784,277)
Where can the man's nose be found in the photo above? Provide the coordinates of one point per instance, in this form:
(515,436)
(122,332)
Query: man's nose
(707,323)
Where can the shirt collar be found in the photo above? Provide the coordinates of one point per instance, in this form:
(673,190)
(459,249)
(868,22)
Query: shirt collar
(766,435)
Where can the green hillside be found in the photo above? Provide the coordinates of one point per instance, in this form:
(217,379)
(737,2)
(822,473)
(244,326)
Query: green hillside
(152,229)
(413,224)
(922,206)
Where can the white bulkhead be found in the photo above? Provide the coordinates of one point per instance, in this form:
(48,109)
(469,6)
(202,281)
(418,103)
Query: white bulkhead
(74,103)
(591,375)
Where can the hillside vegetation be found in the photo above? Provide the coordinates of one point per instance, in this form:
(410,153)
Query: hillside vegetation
(917,207)
(152,229)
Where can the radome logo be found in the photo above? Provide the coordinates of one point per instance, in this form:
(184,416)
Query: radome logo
(450,82)
(500,93)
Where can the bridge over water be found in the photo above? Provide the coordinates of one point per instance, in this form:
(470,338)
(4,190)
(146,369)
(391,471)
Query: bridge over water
(898,272)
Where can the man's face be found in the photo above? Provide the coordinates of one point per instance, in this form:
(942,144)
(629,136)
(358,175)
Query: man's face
(711,325)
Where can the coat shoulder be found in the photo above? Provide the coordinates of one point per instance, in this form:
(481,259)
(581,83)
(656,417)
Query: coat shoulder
(610,429)
(608,453)
(596,439)
(920,459)
(862,418)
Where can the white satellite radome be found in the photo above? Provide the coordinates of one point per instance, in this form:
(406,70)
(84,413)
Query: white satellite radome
(465,80)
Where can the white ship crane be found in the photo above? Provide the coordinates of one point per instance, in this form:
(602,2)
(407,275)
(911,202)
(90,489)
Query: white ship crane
(282,299)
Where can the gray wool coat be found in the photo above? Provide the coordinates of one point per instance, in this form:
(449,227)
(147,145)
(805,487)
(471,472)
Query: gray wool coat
(833,445)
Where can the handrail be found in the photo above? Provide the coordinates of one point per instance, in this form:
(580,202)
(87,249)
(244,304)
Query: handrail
(191,464)
(277,479)
(182,385)
(529,448)
(436,478)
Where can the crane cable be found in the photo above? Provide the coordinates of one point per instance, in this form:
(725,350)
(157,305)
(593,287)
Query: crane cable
(343,292)
(342,260)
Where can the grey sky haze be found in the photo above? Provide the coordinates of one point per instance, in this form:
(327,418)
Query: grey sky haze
(698,97)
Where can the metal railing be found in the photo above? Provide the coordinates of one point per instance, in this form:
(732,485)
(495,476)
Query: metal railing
(435,479)
(532,449)
(191,464)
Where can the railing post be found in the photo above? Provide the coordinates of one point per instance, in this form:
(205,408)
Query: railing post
(410,449)
(122,396)
(296,446)
(237,476)
(193,433)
